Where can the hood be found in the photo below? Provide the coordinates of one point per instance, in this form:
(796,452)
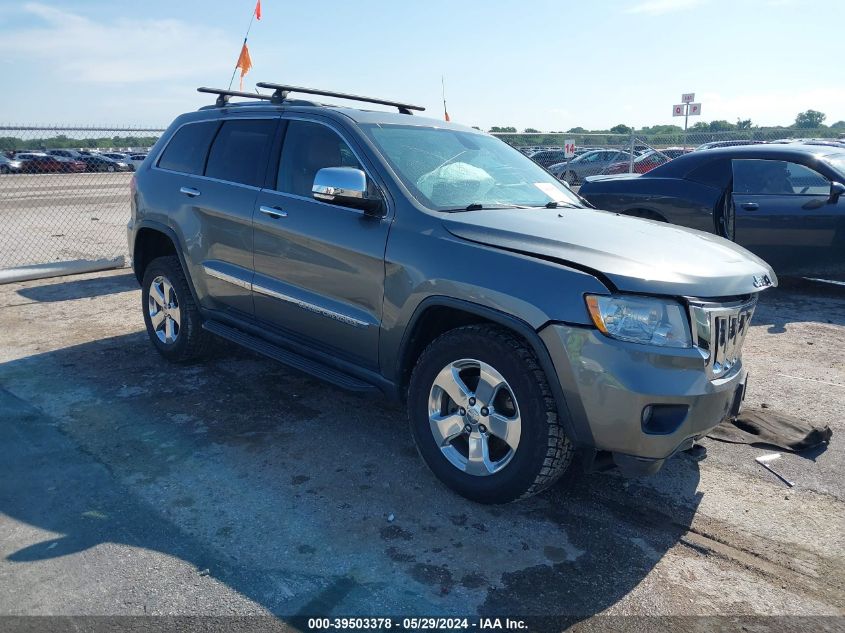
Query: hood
(635,255)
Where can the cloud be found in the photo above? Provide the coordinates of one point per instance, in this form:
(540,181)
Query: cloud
(659,7)
(121,51)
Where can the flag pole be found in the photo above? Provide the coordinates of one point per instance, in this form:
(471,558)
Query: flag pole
(251,20)
(443,92)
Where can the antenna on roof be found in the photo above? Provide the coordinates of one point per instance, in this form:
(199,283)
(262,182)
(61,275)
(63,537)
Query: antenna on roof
(282,91)
(223,96)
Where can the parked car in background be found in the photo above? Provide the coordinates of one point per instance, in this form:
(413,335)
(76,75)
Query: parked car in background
(9,165)
(63,153)
(548,157)
(42,163)
(781,202)
(641,164)
(591,163)
(674,152)
(118,156)
(828,142)
(718,144)
(103,163)
(134,160)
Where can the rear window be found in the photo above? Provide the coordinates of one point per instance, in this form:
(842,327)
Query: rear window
(714,173)
(240,150)
(187,150)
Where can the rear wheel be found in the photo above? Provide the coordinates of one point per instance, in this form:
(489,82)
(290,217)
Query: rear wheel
(483,416)
(4,169)
(173,321)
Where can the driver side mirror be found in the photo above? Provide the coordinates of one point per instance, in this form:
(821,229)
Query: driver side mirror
(346,186)
(836,190)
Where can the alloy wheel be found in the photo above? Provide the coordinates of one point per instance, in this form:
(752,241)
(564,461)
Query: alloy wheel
(474,417)
(163,308)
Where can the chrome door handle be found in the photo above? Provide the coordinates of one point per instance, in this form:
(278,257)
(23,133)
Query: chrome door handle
(189,191)
(750,206)
(273,212)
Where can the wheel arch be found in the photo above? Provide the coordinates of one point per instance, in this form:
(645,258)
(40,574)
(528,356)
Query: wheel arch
(437,315)
(153,240)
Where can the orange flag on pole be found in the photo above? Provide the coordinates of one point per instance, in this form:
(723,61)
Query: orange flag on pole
(244,63)
(258,10)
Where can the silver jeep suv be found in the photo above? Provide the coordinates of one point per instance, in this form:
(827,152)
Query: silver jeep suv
(436,265)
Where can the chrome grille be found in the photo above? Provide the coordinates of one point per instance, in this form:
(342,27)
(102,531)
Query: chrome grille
(719,330)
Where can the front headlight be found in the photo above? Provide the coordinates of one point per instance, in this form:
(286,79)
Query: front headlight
(646,320)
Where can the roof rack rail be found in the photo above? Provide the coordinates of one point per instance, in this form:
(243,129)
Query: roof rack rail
(282,91)
(223,96)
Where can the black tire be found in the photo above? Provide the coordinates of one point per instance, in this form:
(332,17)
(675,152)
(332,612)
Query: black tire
(725,215)
(4,169)
(571,178)
(190,341)
(543,453)
(110,168)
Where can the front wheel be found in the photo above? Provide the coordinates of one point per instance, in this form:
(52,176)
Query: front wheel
(483,416)
(570,178)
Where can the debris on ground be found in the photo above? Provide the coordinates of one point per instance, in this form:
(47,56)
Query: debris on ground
(771,428)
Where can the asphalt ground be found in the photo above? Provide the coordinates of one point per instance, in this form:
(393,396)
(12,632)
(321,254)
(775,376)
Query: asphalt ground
(60,217)
(235,486)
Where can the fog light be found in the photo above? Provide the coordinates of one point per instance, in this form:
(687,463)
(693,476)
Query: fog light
(662,419)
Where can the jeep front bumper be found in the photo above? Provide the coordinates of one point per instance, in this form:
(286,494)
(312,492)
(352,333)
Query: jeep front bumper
(642,403)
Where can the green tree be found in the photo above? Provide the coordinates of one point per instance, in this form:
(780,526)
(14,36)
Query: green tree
(621,129)
(531,130)
(721,126)
(838,125)
(743,124)
(576,130)
(810,119)
(500,129)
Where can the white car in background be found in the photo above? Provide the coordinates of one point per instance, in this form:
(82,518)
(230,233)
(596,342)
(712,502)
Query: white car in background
(135,160)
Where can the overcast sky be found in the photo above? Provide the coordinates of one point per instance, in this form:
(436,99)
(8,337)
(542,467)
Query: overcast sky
(549,64)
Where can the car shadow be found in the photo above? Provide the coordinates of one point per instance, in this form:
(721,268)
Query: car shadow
(80,288)
(798,300)
(305,499)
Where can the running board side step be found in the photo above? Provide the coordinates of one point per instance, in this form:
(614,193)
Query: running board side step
(291,359)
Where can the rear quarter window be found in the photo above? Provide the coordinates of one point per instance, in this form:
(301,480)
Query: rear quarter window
(713,173)
(187,150)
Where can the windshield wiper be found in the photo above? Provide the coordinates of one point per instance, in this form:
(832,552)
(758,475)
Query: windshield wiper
(478,206)
(554,204)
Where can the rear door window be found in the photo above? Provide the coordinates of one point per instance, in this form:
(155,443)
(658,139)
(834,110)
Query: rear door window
(188,148)
(240,150)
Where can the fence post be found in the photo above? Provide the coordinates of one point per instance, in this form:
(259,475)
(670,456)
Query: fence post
(631,159)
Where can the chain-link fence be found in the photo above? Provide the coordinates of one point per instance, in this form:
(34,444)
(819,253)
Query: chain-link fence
(64,192)
(593,154)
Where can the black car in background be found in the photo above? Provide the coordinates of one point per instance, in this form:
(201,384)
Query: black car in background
(782,202)
(103,163)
